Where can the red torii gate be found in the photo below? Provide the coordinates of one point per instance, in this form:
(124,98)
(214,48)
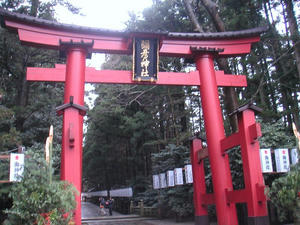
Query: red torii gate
(77,42)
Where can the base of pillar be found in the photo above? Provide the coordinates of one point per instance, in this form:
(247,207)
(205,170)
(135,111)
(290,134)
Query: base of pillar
(259,220)
(201,220)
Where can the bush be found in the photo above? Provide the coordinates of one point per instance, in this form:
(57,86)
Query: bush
(284,194)
(39,200)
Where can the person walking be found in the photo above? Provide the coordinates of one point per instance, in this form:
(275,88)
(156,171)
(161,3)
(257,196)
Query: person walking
(102,205)
(110,205)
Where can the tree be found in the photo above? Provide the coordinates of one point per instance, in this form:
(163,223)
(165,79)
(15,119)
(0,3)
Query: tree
(293,28)
(32,104)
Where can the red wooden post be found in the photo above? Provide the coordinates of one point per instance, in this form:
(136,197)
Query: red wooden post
(71,158)
(221,176)
(201,215)
(254,183)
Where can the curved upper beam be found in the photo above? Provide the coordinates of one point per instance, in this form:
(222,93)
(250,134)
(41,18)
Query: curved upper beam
(49,34)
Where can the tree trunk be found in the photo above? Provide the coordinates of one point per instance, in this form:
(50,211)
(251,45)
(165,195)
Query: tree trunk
(175,131)
(212,9)
(34,7)
(296,114)
(230,97)
(293,27)
(192,15)
(231,101)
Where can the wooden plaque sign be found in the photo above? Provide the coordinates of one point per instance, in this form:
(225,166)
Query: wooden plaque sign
(145,59)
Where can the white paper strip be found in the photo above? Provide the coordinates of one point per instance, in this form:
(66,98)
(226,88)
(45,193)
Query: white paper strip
(178,176)
(282,160)
(16,167)
(170,178)
(188,174)
(266,160)
(162,180)
(156,181)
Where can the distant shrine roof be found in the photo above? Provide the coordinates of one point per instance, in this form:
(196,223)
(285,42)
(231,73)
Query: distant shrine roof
(29,20)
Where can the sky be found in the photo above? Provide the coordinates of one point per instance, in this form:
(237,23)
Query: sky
(108,14)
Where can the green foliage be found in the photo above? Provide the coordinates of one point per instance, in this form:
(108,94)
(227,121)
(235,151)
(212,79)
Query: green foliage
(180,200)
(276,135)
(167,15)
(284,194)
(9,136)
(176,200)
(36,195)
(169,158)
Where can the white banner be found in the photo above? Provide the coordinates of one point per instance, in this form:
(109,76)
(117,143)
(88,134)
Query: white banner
(266,160)
(16,167)
(188,174)
(162,180)
(282,160)
(178,176)
(122,192)
(170,178)
(294,156)
(156,181)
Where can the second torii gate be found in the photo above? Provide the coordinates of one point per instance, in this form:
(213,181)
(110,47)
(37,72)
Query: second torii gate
(77,42)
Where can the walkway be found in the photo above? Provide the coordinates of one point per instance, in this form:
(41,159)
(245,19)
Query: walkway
(91,216)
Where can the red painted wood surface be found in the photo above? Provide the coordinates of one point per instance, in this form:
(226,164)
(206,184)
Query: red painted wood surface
(198,179)
(230,142)
(57,74)
(221,176)
(120,42)
(236,196)
(72,136)
(253,178)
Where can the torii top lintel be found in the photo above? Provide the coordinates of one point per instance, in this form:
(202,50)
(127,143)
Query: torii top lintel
(49,34)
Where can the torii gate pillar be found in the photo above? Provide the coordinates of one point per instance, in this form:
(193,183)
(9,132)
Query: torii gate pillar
(73,111)
(221,176)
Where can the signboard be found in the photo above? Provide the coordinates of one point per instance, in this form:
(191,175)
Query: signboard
(282,160)
(156,181)
(294,156)
(170,178)
(16,167)
(145,59)
(178,176)
(266,160)
(162,180)
(188,174)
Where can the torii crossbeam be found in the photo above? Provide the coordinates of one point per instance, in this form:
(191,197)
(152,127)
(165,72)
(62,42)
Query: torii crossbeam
(77,42)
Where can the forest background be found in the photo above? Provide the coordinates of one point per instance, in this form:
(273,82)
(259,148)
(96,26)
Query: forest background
(133,132)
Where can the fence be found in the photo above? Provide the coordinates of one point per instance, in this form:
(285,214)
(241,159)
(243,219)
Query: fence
(142,210)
